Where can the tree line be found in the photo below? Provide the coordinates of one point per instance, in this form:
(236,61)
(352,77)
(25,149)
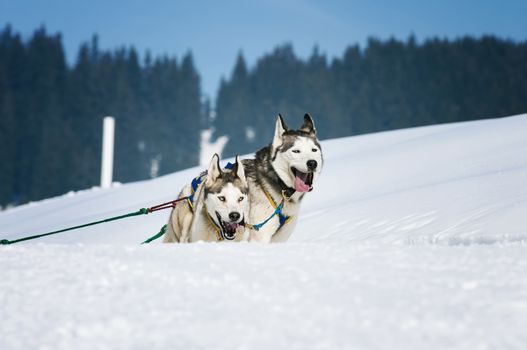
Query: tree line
(385,85)
(51,113)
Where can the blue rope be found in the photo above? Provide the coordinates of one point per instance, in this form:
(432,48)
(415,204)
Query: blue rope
(277,211)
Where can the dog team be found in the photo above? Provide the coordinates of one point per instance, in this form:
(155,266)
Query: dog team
(253,199)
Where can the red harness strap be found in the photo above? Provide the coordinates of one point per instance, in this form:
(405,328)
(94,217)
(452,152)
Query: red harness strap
(166,205)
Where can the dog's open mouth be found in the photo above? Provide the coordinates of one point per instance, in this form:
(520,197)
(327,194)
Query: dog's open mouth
(303,181)
(228,228)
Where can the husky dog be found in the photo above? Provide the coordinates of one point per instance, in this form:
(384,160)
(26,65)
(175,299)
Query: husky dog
(217,210)
(283,171)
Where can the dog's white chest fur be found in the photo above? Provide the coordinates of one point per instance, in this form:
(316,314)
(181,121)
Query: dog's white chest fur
(261,208)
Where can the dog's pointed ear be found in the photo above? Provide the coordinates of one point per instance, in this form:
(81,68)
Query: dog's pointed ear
(308,125)
(214,171)
(238,169)
(279,131)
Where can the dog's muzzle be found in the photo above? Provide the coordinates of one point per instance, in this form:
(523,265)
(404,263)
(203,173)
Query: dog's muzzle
(228,228)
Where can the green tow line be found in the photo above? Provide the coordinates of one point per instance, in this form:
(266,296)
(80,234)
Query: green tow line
(157,235)
(142,211)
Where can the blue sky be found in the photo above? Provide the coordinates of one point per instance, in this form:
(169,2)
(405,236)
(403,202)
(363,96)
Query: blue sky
(215,31)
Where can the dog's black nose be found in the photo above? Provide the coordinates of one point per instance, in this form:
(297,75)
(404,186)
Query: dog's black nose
(234,216)
(312,164)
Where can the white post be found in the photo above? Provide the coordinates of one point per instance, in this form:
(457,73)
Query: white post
(108,130)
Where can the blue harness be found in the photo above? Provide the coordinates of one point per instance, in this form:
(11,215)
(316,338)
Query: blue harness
(282,218)
(198,180)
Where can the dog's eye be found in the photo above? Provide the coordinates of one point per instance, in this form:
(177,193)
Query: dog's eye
(241,199)
(221,198)
(314,149)
(295,151)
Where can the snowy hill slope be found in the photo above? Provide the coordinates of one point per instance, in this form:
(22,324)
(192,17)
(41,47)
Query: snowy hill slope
(452,183)
(412,239)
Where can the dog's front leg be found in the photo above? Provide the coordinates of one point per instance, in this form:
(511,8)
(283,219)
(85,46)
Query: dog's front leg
(283,234)
(263,235)
(185,228)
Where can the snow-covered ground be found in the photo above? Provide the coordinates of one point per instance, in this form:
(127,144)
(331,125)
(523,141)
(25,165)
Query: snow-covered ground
(413,239)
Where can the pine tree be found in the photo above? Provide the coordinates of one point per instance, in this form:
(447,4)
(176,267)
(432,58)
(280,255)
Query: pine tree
(7,123)
(234,115)
(48,163)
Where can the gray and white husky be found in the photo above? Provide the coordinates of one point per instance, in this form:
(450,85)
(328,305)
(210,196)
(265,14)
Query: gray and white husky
(217,210)
(284,170)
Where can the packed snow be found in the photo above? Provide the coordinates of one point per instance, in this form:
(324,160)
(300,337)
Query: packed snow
(412,239)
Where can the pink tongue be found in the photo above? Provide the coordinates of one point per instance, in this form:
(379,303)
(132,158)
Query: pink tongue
(301,186)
